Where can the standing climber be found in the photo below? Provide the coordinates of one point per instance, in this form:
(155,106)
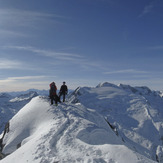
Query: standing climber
(63,91)
(53,94)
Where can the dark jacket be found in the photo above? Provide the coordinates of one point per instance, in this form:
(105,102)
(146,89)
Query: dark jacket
(63,89)
(52,90)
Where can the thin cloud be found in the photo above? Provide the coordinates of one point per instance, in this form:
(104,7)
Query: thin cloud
(92,65)
(22,78)
(23,17)
(60,58)
(67,58)
(16,64)
(26,77)
(46,53)
(147,10)
(9,64)
(10,33)
(126,71)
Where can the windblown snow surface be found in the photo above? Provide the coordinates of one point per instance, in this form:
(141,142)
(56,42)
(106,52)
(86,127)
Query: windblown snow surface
(10,105)
(105,124)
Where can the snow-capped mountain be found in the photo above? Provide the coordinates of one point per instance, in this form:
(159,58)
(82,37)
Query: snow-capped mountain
(10,105)
(24,97)
(107,123)
(39,92)
(135,112)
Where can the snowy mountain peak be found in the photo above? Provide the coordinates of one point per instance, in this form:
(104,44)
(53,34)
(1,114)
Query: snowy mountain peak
(142,90)
(22,97)
(106,84)
(136,113)
(94,125)
(67,133)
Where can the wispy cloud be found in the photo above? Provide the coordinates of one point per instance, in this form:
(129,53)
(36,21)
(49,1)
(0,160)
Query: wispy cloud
(23,17)
(62,57)
(24,79)
(16,64)
(126,71)
(11,33)
(59,58)
(47,53)
(13,22)
(9,64)
(147,9)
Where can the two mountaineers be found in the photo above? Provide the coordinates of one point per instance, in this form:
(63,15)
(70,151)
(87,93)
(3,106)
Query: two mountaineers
(63,91)
(53,94)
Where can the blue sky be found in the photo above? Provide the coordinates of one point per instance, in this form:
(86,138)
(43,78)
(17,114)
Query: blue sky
(82,42)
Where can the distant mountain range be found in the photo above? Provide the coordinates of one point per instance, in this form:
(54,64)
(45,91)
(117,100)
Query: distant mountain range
(39,92)
(108,123)
(11,103)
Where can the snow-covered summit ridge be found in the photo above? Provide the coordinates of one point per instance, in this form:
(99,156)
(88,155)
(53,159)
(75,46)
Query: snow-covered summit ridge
(72,131)
(136,113)
(142,90)
(66,133)
(106,84)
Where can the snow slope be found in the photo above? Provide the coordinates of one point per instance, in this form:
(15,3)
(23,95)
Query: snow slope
(67,133)
(10,105)
(80,130)
(136,112)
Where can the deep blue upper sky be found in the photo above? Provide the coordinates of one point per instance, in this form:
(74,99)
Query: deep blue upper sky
(82,42)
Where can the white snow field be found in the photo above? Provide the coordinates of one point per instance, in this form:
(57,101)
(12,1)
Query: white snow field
(10,105)
(105,124)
